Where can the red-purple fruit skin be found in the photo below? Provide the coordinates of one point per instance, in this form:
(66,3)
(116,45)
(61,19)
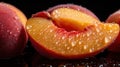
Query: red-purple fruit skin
(46,14)
(115,18)
(13,37)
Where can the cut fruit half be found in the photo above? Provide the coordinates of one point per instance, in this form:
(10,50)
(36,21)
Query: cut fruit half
(54,42)
(63,32)
(71,19)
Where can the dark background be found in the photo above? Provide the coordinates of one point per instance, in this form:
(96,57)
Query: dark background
(102,8)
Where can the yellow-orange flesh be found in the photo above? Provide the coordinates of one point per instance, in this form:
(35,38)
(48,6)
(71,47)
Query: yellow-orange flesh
(72,43)
(71,19)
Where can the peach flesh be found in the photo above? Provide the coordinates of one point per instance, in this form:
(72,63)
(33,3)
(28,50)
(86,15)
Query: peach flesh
(13,37)
(115,18)
(75,7)
(71,19)
(54,42)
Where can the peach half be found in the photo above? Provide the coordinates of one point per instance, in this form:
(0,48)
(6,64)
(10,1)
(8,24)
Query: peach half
(115,18)
(13,36)
(75,7)
(85,37)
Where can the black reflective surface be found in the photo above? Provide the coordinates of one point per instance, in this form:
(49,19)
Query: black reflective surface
(30,58)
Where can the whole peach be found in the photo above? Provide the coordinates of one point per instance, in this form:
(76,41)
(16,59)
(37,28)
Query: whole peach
(13,37)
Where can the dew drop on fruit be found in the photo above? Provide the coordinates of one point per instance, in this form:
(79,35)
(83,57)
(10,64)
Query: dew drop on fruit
(106,40)
(15,18)
(63,38)
(91,50)
(51,31)
(55,36)
(68,48)
(56,42)
(79,42)
(15,35)
(97,30)
(73,44)
(85,46)
(18,30)
(88,34)
(29,27)
(8,31)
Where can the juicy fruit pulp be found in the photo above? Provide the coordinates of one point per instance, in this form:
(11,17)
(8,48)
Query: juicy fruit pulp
(115,18)
(13,37)
(71,19)
(57,42)
(75,7)
(67,44)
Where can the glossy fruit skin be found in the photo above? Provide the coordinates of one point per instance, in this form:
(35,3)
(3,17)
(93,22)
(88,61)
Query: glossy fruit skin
(114,18)
(13,36)
(48,27)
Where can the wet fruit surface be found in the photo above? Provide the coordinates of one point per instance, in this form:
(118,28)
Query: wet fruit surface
(13,36)
(67,33)
(115,18)
(100,8)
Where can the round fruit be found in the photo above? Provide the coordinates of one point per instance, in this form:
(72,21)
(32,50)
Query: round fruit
(69,34)
(13,36)
(115,18)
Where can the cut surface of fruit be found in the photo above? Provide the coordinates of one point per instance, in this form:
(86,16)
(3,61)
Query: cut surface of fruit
(115,18)
(71,19)
(52,41)
(75,7)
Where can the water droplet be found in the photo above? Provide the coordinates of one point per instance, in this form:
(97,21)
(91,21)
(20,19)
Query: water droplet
(83,35)
(51,30)
(56,42)
(63,37)
(110,31)
(77,35)
(101,33)
(17,28)
(55,36)
(15,35)
(91,50)
(85,46)
(106,40)
(88,34)
(73,44)
(80,42)
(10,32)
(96,24)
(15,17)
(97,30)
(68,48)
(28,27)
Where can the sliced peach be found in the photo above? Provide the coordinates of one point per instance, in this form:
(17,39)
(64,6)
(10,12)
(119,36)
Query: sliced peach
(115,18)
(13,36)
(51,41)
(75,7)
(66,33)
(71,19)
